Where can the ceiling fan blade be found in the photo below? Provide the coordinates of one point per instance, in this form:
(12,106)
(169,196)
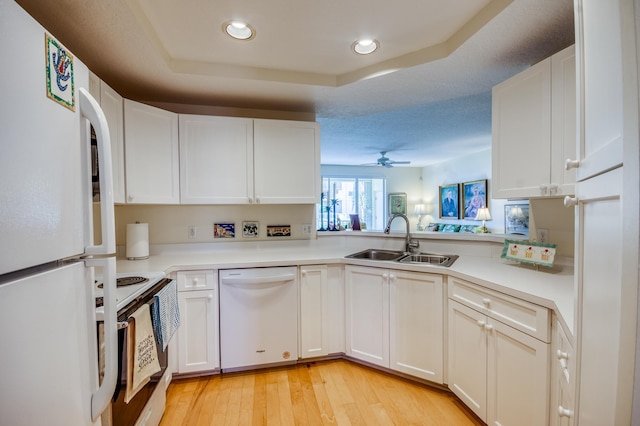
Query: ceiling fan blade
(399,162)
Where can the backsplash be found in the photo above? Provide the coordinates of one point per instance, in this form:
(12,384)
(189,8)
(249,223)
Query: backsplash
(169,224)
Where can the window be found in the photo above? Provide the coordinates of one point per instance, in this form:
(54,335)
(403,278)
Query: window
(355,195)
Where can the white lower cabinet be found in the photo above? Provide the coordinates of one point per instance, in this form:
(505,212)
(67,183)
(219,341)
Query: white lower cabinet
(395,319)
(562,379)
(197,338)
(416,331)
(499,372)
(314,311)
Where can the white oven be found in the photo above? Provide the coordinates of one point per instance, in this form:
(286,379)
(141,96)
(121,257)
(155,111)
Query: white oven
(133,291)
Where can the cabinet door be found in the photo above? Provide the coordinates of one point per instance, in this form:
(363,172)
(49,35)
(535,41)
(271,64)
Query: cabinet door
(314,311)
(563,121)
(337,340)
(216,160)
(603,336)
(517,377)
(521,122)
(112,106)
(468,357)
(151,150)
(198,333)
(416,325)
(367,314)
(287,162)
(600,77)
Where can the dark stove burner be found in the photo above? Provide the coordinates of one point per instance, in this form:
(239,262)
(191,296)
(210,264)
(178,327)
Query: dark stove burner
(99,301)
(125,281)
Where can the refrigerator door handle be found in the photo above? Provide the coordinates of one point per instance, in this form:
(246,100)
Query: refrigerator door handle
(90,110)
(102,396)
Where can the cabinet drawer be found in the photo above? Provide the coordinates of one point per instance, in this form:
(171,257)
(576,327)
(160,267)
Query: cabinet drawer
(197,280)
(517,313)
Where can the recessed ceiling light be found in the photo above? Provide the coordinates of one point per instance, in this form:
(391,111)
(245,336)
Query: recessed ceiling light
(239,30)
(364,47)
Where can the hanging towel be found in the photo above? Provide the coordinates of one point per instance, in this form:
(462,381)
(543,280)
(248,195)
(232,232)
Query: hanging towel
(142,353)
(166,315)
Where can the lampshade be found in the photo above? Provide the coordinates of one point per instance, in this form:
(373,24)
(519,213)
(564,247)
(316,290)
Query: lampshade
(483,214)
(419,210)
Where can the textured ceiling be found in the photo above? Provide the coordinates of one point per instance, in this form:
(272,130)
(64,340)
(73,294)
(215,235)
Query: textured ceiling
(424,96)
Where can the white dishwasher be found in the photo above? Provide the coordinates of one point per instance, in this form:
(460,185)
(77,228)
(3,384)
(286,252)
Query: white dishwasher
(258,317)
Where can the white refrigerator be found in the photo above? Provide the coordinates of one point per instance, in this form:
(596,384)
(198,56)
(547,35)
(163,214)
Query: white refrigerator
(48,342)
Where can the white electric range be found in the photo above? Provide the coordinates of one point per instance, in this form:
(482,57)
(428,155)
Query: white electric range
(130,286)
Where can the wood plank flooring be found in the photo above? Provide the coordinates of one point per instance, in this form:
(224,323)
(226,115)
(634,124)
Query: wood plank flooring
(337,392)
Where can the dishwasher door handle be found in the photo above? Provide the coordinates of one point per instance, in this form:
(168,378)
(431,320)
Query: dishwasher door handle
(242,280)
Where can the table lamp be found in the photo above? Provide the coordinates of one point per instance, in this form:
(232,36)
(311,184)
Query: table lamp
(483,215)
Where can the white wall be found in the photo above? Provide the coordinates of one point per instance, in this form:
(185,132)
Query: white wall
(549,214)
(168,223)
(466,168)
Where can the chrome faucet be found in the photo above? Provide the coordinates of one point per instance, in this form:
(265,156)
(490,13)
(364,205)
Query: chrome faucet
(410,244)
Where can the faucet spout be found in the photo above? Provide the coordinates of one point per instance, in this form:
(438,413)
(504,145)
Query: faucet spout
(409,243)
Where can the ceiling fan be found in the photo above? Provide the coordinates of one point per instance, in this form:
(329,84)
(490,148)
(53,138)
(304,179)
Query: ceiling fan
(385,161)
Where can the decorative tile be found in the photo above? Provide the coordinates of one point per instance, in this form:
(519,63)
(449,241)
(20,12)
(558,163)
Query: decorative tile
(528,252)
(278,230)
(59,68)
(250,229)
(224,230)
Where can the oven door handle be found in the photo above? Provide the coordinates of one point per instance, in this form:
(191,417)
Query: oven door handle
(101,397)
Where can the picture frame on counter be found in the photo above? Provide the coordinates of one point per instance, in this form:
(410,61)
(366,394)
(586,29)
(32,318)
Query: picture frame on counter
(397,203)
(449,201)
(516,219)
(474,197)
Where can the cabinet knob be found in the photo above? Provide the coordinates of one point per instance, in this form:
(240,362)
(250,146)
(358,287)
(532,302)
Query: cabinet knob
(481,323)
(257,200)
(486,302)
(130,198)
(210,296)
(194,281)
(564,412)
(303,273)
(571,164)
(562,355)
(553,189)
(488,327)
(570,201)
(543,189)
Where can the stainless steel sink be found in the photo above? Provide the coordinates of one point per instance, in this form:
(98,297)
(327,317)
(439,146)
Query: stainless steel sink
(375,254)
(434,259)
(403,257)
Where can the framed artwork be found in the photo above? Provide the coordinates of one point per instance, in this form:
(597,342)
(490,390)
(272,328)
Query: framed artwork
(450,201)
(278,230)
(397,203)
(250,229)
(474,196)
(516,219)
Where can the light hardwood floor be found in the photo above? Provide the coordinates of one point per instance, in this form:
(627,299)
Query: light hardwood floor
(335,392)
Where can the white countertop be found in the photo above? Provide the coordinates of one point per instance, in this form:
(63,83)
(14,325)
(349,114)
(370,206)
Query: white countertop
(551,288)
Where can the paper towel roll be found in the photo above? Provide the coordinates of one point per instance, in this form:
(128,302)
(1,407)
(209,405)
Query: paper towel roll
(137,241)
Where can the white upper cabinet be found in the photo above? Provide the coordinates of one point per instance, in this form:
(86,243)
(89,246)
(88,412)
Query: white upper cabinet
(112,106)
(152,157)
(600,72)
(227,160)
(286,162)
(534,130)
(216,160)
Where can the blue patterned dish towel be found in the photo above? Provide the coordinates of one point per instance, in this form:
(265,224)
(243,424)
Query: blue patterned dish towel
(165,314)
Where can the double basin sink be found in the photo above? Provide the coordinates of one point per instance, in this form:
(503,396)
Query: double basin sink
(403,257)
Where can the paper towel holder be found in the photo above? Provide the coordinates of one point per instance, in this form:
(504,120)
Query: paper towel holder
(137,237)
